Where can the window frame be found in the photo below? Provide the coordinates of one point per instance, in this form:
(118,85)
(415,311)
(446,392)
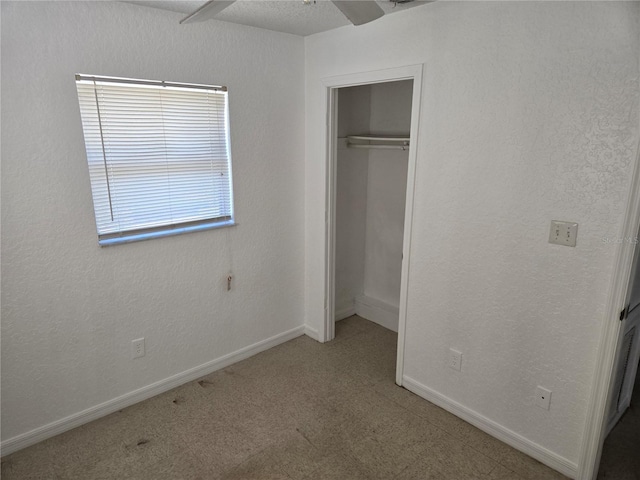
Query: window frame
(220,195)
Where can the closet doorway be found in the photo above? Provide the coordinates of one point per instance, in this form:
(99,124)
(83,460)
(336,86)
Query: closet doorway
(371,158)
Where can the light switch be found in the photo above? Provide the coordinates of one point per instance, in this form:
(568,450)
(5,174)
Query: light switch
(563,233)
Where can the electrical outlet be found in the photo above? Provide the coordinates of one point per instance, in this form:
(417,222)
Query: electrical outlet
(455,359)
(563,233)
(543,397)
(137,348)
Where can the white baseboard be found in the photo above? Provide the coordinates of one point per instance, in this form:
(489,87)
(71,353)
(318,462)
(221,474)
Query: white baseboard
(494,429)
(93,413)
(378,312)
(345,313)
(312,333)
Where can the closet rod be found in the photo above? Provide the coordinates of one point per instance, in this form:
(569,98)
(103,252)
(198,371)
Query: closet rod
(379,139)
(382,142)
(387,147)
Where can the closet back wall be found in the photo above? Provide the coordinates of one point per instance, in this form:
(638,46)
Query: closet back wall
(386,192)
(354,107)
(371,187)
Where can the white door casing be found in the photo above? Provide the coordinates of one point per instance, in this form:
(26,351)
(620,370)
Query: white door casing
(411,72)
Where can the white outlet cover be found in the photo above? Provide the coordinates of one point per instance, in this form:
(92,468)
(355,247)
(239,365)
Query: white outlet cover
(137,348)
(563,233)
(455,359)
(543,397)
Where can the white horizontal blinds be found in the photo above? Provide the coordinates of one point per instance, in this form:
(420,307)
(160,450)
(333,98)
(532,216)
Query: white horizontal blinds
(158,155)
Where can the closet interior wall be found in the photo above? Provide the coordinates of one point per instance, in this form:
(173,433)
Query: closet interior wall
(370,202)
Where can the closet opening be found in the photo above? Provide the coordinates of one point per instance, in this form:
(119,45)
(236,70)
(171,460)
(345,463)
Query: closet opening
(372,154)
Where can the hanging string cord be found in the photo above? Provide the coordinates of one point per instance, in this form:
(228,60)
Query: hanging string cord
(229,257)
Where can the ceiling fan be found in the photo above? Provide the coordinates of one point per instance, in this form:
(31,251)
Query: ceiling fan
(357,11)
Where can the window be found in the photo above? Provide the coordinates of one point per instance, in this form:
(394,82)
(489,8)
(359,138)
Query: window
(158,154)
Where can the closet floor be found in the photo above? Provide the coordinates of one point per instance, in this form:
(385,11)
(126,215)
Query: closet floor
(302,410)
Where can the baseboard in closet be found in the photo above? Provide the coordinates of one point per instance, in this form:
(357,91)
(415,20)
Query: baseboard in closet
(345,312)
(377,311)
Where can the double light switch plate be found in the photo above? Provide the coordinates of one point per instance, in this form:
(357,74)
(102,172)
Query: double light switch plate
(563,233)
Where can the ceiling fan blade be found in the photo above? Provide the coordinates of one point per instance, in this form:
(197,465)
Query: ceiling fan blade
(359,11)
(207,11)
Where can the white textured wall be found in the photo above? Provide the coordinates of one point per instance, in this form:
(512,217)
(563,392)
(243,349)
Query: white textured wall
(529,113)
(70,308)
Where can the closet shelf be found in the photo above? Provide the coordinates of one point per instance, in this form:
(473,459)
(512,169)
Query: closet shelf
(378,141)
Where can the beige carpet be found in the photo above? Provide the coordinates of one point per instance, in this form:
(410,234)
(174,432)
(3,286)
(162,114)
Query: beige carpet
(302,410)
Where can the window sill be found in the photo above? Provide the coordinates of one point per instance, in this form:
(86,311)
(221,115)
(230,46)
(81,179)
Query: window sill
(139,237)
